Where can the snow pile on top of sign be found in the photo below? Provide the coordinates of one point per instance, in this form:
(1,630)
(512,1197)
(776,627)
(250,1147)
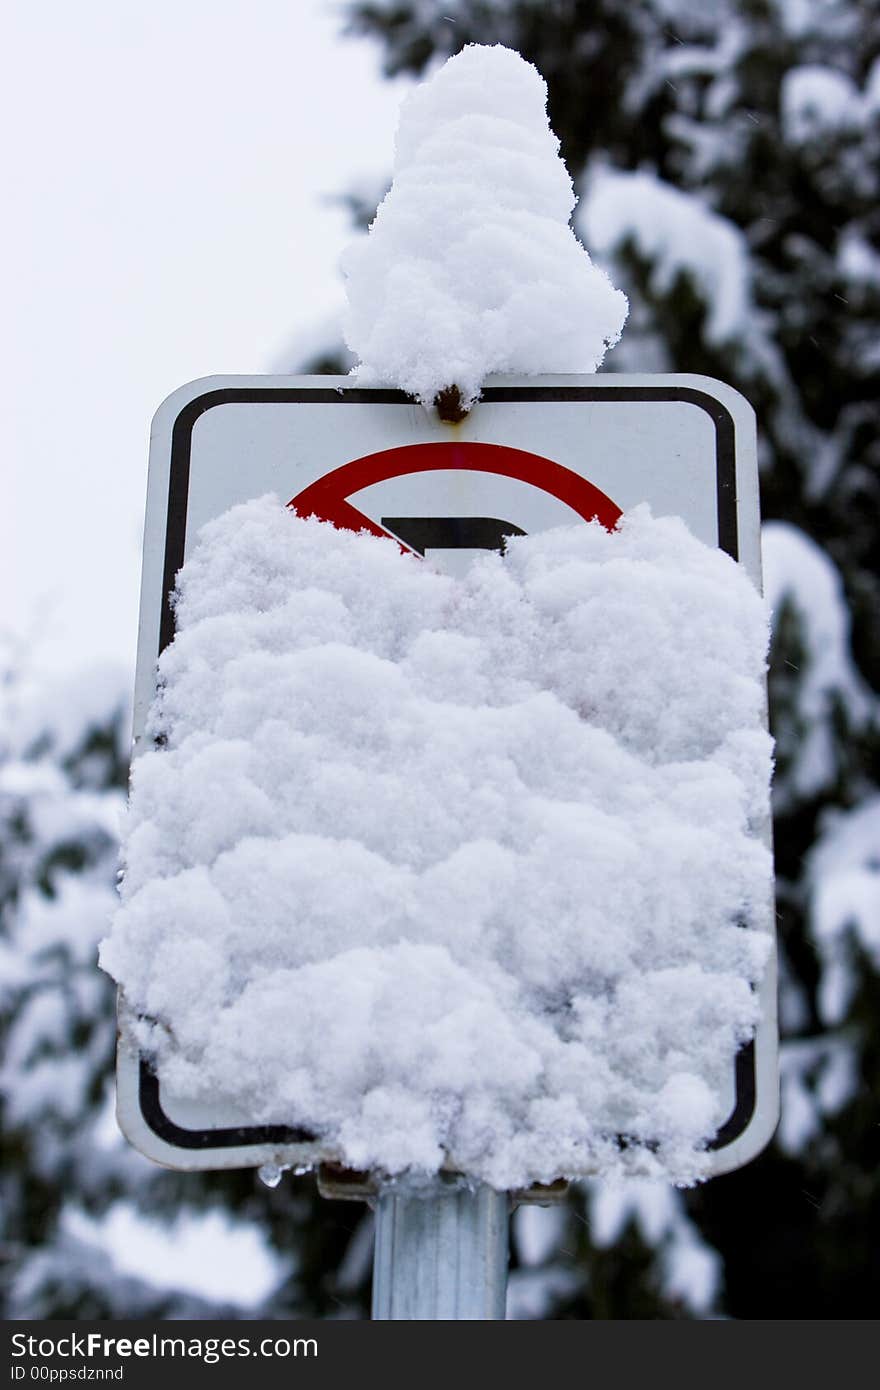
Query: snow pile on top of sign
(455,869)
(470,266)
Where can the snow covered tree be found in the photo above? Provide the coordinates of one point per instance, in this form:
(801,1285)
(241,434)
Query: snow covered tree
(60,793)
(729,159)
(63,773)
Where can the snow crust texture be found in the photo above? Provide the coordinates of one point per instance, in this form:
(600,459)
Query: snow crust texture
(456,870)
(470,266)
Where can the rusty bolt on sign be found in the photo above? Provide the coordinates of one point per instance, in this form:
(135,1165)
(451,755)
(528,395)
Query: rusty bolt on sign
(449,405)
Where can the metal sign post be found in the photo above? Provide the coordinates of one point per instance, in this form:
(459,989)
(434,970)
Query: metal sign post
(441,1254)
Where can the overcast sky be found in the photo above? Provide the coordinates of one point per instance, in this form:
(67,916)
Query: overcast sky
(167,218)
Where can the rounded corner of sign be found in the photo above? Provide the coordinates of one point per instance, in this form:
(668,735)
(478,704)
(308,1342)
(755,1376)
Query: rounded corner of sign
(177,401)
(129,1116)
(750,1144)
(726,395)
(138,1133)
(129,1113)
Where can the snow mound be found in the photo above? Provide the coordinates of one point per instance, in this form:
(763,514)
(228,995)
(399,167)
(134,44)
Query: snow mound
(460,869)
(471,266)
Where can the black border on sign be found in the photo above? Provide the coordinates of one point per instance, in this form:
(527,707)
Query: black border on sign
(745,1079)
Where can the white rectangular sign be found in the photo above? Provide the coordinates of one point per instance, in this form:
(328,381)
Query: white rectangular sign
(534,453)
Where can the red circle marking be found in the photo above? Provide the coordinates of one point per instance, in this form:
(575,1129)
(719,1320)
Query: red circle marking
(327,497)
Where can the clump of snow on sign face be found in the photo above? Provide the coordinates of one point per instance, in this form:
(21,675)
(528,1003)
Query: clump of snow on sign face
(470,266)
(455,869)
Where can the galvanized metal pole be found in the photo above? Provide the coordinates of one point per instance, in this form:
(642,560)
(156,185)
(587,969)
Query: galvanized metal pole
(441,1254)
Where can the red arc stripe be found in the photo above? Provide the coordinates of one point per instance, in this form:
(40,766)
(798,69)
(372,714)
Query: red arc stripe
(327,497)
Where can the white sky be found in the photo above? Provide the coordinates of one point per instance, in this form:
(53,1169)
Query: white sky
(164,221)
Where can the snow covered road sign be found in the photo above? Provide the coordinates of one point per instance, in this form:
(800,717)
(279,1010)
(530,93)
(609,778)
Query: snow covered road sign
(534,454)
